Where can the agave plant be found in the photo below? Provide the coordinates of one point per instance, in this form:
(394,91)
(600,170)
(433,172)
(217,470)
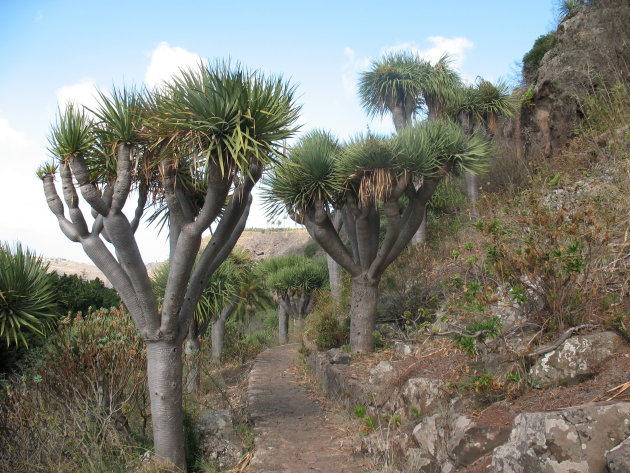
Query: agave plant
(27,299)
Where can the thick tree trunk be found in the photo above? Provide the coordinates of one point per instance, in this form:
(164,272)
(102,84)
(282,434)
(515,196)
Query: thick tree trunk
(399,118)
(164,373)
(334,278)
(472,191)
(217,336)
(421,234)
(283,325)
(298,326)
(363,314)
(192,351)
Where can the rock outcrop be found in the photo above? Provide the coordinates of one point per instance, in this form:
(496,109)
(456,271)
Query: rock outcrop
(575,359)
(591,50)
(571,440)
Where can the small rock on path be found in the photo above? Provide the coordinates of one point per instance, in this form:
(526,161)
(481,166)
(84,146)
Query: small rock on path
(295,433)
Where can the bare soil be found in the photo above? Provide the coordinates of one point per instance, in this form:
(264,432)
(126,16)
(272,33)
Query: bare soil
(297,429)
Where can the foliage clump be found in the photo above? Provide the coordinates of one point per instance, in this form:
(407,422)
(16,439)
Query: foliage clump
(82,404)
(75,294)
(27,295)
(531,60)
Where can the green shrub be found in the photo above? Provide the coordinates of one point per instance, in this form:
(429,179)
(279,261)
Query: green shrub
(331,333)
(359,412)
(81,405)
(75,294)
(531,60)
(487,329)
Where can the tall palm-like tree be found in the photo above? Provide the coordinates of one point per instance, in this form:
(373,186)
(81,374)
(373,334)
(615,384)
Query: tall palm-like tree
(404,84)
(293,280)
(365,181)
(211,129)
(480,107)
(394,85)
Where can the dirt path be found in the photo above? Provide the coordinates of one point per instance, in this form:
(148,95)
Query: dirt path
(296,433)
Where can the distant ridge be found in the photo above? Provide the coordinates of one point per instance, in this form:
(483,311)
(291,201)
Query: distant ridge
(260,244)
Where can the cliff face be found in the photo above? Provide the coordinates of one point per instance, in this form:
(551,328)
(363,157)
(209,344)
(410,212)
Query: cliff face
(592,50)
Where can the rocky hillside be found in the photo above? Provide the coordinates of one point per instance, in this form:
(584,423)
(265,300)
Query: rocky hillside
(499,362)
(591,51)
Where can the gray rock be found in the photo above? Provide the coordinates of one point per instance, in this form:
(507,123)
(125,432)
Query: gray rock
(389,443)
(573,440)
(215,422)
(618,458)
(217,438)
(338,357)
(575,359)
(403,349)
(381,373)
(418,396)
(471,440)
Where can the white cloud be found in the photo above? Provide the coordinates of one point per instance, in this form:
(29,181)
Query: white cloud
(167,61)
(455,47)
(350,70)
(82,93)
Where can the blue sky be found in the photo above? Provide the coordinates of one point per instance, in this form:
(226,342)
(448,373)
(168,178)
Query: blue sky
(56,51)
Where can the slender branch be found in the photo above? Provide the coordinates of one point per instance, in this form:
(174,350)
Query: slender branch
(112,269)
(143,191)
(392,216)
(169,179)
(183,201)
(411,219)
(122,237)
(72,200)
(219,247)
(56,207)
(217,192)
(350,224)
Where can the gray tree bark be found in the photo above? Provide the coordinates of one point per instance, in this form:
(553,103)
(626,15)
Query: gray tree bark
(164,373)
(283,325)
(363,314)
(472,189)
(217,335)
(192,352)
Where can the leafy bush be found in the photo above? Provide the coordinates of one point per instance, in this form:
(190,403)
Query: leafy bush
(331,333)
(531,60)
(549,252)
(75,294)
(27,302)
(82,404)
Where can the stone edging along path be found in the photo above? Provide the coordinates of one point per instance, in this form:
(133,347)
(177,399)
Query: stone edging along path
(296,433)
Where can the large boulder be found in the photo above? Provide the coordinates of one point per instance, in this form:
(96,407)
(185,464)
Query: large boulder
(431,435)
(471,440)
(417,396)
(577,358)
(572,440)
(618,458)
